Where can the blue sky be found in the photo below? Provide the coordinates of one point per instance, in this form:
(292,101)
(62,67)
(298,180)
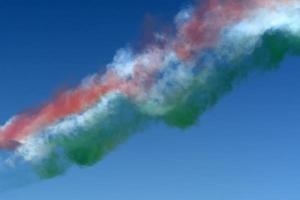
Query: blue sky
(245,148)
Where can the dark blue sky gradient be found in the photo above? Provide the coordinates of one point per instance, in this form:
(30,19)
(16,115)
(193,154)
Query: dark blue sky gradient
(246,148)
(48,45)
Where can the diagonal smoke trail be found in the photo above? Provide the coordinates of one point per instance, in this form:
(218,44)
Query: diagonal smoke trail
(217,44)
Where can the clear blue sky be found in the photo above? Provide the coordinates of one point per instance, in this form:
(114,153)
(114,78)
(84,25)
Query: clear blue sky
(246,148)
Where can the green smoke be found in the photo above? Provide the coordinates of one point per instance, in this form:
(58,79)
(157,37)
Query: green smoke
(91,144)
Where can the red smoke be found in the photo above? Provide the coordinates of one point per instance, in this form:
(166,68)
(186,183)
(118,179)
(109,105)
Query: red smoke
(67,103)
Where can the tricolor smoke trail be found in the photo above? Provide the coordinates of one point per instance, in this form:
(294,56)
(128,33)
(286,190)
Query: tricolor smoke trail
(174,79)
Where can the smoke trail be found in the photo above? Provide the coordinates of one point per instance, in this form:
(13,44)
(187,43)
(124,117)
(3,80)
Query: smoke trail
(216,45)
